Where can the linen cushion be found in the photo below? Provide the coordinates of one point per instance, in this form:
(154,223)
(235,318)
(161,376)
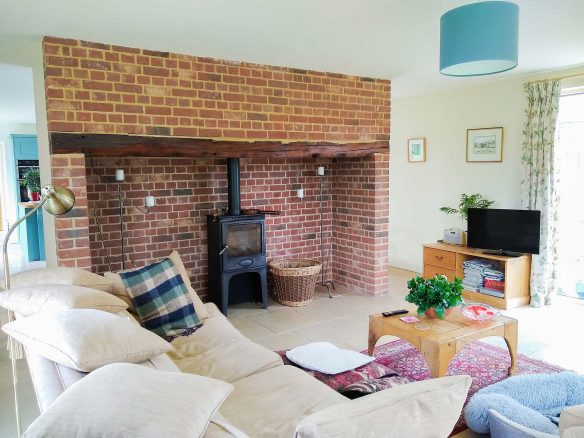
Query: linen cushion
(433,406)
(27,301)
(219,350)
(161,299)
(119,289)
(572,416)
(60,275)
(271,403)
(121,400)
(86,339)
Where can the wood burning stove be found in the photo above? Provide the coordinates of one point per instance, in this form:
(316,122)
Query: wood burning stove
(236,251)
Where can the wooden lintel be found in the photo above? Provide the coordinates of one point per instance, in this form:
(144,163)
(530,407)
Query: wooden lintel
(121,145)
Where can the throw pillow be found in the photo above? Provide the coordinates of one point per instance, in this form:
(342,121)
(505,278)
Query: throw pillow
(122,400)
(365,387)
(373,370)
(27,301)
(120,290)
(161,300)
(86,339)
(60,275)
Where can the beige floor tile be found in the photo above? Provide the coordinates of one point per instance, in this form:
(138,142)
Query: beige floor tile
(282,319)
(346,330)
(283,341)
(250,328)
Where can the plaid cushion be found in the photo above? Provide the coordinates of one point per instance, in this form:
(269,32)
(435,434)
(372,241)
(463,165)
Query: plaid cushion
(161,299)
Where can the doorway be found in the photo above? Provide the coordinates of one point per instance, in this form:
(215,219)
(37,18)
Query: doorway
(570,179)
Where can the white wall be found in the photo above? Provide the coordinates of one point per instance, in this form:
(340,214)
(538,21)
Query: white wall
(8,172)
(418,190)
(27,51)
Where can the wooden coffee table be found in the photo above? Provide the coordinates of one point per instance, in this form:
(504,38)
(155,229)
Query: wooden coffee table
(445,337)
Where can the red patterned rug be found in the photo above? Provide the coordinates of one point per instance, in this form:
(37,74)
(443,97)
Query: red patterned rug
(485,363)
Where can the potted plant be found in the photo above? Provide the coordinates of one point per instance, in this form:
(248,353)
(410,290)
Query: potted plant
(32,181)
(468,201)
(435,296)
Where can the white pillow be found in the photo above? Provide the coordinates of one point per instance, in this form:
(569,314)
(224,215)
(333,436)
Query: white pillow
(27,301)
(86,339)
(327,358)
(60,275)
(124,400)
(119,289)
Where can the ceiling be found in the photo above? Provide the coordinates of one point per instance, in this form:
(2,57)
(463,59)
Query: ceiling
(393,39)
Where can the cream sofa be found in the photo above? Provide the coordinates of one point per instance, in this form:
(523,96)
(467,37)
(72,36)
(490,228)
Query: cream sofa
(271,399)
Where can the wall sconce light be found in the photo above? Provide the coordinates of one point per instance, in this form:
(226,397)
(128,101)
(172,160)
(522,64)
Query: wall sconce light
(119,174)
(300,193)
(149,201)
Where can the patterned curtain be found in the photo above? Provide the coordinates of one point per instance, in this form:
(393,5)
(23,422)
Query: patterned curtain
(539,184)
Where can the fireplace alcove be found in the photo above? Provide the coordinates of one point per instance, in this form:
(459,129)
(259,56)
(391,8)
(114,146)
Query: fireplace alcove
(271,173)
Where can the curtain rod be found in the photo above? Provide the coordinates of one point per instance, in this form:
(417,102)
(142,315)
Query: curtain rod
(560,78)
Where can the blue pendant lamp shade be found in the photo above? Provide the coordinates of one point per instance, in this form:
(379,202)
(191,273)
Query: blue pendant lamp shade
(479,39)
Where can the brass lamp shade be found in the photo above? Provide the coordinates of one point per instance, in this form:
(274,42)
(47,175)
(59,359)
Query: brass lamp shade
(59,200)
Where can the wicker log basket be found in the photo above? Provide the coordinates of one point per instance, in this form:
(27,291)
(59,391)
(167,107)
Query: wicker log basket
(294,280)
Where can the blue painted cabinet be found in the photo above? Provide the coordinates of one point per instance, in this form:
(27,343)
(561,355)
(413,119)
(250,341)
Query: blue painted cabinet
(30,232)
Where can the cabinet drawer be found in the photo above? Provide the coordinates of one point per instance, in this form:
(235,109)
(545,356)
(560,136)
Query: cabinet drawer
(431,271)
(442,259)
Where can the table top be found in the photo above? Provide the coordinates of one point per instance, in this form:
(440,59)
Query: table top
(454,326)
(29,204)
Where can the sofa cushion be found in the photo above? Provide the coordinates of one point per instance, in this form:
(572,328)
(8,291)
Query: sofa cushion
(219,350)
(29,300)
(60,275)
(161,299)
(429,408)
(271,404)
(571,417)
(86,339)
(121,400)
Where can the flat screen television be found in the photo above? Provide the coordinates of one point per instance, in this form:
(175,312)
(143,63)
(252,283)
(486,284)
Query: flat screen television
(507,232)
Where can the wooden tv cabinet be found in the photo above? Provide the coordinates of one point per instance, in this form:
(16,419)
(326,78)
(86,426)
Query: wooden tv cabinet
(446,259)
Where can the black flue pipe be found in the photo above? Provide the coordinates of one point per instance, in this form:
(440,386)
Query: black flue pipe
(233,190)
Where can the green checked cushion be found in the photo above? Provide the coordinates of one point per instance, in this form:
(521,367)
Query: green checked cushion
(161,299)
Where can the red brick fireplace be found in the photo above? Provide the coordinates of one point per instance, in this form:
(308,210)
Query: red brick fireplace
(171,120)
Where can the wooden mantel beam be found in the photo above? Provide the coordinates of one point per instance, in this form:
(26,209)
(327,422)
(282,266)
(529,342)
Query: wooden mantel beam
(122,145)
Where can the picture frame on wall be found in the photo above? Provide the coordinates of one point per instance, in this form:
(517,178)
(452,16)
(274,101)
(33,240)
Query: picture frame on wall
(484,145)
(417,150)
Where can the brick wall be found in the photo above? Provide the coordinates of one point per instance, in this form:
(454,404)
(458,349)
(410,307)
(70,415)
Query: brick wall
(100,88)
(186,191)
(360,223)
(72,228)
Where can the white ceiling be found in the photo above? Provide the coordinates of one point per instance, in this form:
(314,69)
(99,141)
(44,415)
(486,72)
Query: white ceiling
(393,39)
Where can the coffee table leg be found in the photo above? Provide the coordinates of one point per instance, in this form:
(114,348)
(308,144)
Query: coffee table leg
(511,340)
(438,357)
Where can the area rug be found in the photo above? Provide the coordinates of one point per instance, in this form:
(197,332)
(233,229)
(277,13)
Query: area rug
(485,363)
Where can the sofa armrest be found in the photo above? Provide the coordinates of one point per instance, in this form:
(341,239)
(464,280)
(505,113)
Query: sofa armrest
(571,417)
(421,409)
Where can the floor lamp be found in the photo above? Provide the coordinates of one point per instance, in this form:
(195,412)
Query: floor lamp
(56,200)
(323,282)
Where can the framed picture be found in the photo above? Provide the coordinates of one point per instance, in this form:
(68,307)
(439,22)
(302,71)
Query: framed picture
(416,150)
(484,145)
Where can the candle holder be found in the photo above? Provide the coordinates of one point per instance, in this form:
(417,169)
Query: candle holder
(323,282)
(119,195)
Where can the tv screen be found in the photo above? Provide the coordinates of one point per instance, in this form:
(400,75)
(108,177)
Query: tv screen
(506,230)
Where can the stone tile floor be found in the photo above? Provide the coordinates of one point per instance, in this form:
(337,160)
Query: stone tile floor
(550,334)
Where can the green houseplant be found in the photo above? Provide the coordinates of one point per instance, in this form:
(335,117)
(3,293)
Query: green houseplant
(32,181)
(475,200)
(435,296)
